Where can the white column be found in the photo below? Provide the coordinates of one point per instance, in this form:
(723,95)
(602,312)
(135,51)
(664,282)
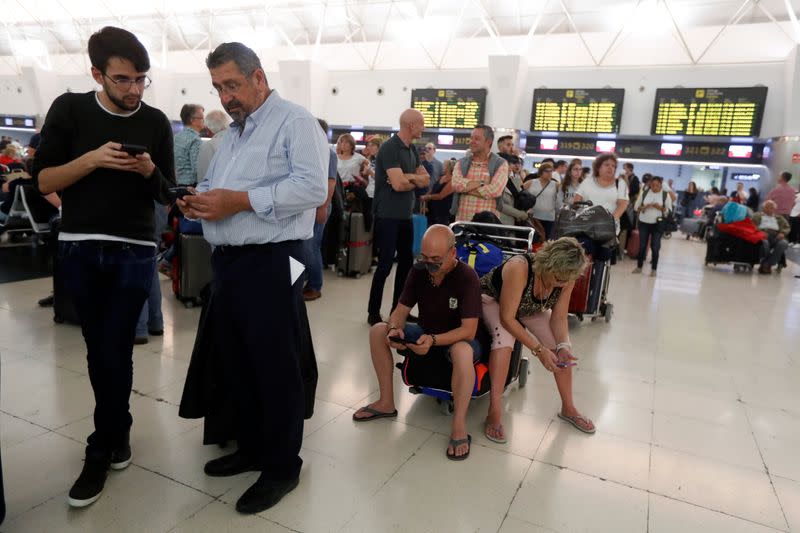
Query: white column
(507,79)
(44,86)
(791,106)
(305,83)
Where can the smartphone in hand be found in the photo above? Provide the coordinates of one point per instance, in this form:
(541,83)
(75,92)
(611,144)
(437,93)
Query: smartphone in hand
(133,149)
(176,193)
(400,340)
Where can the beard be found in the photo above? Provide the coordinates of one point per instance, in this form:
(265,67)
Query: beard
(236,110)
(127,102)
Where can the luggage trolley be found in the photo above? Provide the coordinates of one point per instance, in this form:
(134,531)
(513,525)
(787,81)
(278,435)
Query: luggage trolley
(432,376)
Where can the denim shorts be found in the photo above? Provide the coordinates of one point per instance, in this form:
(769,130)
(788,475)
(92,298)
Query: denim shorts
(412,332)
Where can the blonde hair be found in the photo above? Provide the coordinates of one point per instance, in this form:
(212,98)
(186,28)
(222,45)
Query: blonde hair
(449,165)
(562,258)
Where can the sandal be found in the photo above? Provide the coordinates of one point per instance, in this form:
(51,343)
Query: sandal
(375,414)
(455,444)
(576,422)
(498,429)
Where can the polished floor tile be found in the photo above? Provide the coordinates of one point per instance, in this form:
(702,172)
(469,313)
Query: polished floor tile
(696,402)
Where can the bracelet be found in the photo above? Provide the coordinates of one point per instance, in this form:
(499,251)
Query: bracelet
(561,345)
(433,338)
(537,351)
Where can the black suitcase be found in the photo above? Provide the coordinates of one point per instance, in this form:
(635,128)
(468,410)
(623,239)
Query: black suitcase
(355,246)
(724,248)
(192,268)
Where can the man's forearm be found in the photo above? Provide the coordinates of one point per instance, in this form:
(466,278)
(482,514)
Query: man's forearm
(462,333)
(58,178)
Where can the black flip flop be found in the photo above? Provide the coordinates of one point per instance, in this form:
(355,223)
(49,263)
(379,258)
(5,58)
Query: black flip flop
(375,414)
(455,444)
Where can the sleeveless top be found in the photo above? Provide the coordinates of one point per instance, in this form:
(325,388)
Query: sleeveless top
(492,285)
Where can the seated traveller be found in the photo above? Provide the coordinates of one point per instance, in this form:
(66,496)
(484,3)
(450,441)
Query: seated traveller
(526,299)
(777,228)
(448,295)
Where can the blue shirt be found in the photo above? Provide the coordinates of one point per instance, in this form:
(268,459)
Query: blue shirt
(279,158)
(187,148)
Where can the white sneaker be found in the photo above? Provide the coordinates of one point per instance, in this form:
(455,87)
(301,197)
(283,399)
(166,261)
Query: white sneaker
(637,270)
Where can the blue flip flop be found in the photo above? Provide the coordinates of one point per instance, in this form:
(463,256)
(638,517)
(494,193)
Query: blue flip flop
(455,444)
(375,414)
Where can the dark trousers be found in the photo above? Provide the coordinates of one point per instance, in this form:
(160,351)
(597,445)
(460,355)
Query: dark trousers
(794,234)
(548,226)
(258,328)
(653,234)
(391,236)
(109,283)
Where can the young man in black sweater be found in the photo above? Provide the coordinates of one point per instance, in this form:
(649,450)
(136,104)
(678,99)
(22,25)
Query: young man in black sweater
(106,245)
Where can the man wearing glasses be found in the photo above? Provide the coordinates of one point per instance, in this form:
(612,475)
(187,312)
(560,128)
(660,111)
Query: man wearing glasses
(188,143)
(447,292)
(110,155)
(258,204)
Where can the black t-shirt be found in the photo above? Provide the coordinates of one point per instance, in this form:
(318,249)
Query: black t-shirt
(442,308)
(389,203)
(105,201)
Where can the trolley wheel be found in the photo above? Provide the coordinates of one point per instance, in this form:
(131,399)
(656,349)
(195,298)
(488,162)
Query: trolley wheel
(340,273)
(358,275)
(580,316)
(58,319)
(608,312)
(188,304)
(667,236)
(446,407)
(688,237)
(524,365)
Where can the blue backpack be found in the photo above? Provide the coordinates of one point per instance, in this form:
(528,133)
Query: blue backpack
(481,256)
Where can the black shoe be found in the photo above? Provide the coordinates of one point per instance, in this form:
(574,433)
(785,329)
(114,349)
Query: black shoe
(264,494)
(412,318)
(140,340)
(156,332)
(121,457)
(46,302)
(230,465)
(90,483)
(374,319)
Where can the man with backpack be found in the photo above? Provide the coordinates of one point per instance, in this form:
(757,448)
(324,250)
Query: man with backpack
(447,292)
(479,179)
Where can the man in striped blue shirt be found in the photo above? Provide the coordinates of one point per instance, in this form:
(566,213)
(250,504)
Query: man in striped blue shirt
(257,204)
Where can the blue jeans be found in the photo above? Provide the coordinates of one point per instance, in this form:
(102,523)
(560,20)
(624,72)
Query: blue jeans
(314,265)
(651,232)
(151,318)
(108,282)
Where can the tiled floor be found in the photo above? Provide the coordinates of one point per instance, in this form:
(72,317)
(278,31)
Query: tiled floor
(694,386)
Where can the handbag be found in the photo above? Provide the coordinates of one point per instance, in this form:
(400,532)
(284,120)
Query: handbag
(666,223)
(523,200)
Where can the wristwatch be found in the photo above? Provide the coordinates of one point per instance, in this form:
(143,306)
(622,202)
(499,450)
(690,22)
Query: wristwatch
(537,350)
(433,339)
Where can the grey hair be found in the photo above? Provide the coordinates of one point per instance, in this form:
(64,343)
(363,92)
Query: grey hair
(562,258)
(770,202)
(488,132)
(245,58)
(216,121)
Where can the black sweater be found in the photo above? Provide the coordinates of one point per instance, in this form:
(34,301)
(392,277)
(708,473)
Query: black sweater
(111,202)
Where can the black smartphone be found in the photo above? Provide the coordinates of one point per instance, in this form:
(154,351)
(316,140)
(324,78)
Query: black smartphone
(399,340)
(133,149)
(175,193)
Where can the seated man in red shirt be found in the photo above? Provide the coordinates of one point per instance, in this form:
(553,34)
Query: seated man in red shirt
(449,299)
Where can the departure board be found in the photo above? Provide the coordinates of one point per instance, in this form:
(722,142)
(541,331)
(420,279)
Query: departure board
(577,110)
(730,112)
(450,108)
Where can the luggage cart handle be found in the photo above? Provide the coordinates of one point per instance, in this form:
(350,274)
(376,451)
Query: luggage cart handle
(500,233)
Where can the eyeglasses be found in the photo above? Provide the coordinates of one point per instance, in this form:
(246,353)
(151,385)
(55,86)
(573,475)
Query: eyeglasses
(201,117)
(127,83)
(230,87)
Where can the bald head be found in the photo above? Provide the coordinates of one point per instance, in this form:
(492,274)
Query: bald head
(411,124)
(437,242)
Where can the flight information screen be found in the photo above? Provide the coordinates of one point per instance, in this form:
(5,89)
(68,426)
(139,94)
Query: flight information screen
(730,112)
(577,110)
(450,108)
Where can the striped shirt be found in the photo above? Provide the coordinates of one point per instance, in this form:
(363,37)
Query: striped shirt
(485,197)
(187,148)
(280,157)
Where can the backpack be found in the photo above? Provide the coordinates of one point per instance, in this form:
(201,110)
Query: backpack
(495,162)
(483,257)
(523,200)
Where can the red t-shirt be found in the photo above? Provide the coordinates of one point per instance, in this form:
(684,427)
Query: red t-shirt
(442,308)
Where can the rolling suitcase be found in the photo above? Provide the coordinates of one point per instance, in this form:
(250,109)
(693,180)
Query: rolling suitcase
(579,300)
(191,268)
(632,246)
(691,227)
(420,226)
(355,246)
